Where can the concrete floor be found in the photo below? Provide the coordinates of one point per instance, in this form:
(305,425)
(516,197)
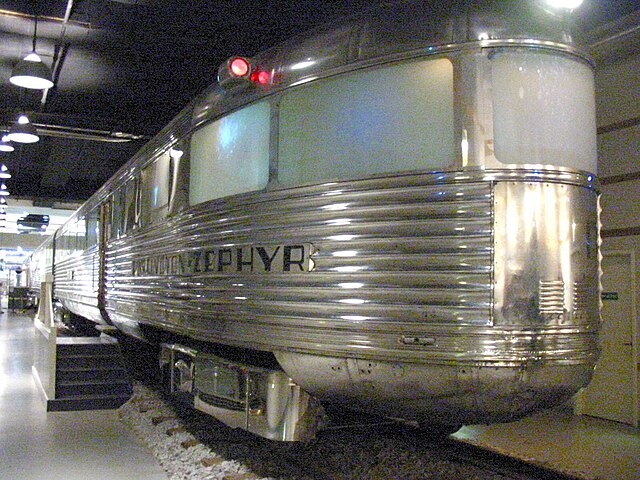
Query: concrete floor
(583,446)
(36,444)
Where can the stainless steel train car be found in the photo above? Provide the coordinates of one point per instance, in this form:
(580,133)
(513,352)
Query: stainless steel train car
(398,215)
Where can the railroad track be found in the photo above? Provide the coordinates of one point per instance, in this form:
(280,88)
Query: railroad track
(363,448)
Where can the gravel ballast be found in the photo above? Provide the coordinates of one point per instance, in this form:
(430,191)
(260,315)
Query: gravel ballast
(191,445)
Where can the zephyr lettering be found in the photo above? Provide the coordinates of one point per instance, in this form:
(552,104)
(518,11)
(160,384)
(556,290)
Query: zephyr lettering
(229,260)
(266,259)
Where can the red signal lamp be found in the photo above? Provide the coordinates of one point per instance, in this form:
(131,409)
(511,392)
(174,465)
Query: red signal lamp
(261,77)
(241,69)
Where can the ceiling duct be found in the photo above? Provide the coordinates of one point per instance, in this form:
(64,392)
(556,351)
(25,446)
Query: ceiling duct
(77,133)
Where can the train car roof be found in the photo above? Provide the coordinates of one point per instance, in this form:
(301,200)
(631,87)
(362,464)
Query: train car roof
(382,34)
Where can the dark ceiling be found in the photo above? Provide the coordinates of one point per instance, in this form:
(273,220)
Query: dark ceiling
(129,66)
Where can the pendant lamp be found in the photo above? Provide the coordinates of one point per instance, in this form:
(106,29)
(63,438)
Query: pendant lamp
(31,72)
(5,144)
(23,131)
(4,172)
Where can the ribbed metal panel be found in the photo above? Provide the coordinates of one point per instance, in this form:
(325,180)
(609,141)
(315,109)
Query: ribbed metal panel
(402,260)
(76,282)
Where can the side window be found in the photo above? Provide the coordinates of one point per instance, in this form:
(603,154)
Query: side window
(61,247)
(179,168)
(543,109)
(117,214)
(66,245)
(155,184)
(92,229)
(131,206)
(81,235)
(389,119)
(125,209)
(231,155)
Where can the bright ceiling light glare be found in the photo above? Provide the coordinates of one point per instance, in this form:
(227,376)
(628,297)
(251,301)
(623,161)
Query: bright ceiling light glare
(302,65)
(3,190)
(175,153)
(5,144)
(32,73)
(23,131)
(4,171)
(566,4)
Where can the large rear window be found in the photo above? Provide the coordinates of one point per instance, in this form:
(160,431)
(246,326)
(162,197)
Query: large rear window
(390,119)
(231,155)
(543,110)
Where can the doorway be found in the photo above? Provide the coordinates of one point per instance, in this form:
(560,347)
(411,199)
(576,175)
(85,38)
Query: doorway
(613,391)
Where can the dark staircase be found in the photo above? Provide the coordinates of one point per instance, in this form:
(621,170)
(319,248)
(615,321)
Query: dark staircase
(90,374)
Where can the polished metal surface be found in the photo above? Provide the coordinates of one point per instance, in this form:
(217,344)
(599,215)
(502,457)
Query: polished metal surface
(438,286)
(464,295)
(261,400)
(76,281)
(407,256)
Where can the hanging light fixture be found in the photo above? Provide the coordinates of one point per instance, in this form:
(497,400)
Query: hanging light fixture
(3,190)
(5,144)
(23,131)
(4,171)
(31,72)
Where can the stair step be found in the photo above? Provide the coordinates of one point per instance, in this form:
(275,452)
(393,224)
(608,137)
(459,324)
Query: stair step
(87,402)
(73,374)
(90,374)
(89,361)
(64,350)
(79,389)
(87,345)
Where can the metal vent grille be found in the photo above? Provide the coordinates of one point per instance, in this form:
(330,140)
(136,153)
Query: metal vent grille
(551,297)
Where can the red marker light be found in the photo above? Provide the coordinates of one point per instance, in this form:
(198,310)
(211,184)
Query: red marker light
(239,67)
(261,76)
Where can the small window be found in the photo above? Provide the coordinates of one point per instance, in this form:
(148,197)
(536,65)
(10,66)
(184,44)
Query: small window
(117,214)
(390,119)
(124,212)
(155,184)
(231,155)
(131,206)
(179,172)
(81,235)
(92,229)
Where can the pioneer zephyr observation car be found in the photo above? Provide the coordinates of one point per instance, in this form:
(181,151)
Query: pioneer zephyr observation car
(397,215)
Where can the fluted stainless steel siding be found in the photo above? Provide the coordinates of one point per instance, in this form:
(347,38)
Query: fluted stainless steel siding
(421,263)
(76,283)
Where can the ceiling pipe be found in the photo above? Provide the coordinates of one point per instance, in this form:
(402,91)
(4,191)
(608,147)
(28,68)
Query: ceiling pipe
(614,40)
(59,51)
(76,133)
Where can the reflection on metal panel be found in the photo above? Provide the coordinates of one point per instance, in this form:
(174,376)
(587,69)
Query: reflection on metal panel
(391,257)
(546,242)
(264,401)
